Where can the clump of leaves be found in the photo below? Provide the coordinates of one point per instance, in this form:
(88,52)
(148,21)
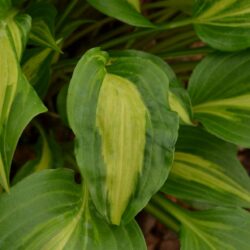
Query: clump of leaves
(134,113)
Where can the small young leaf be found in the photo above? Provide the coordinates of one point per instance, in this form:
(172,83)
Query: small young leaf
(16,95)
(223,24)
(43,22)
(48,210)
(125,131)
(206,171)
(220,92)
(124,10)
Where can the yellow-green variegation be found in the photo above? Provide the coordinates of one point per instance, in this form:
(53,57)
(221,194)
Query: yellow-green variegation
(223,24)
(206,171)
(177,97)
(50,211)
(218,228)
(125,131)
(220,93)
(18,101)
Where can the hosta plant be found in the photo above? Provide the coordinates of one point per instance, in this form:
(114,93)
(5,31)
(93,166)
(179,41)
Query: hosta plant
(111,107)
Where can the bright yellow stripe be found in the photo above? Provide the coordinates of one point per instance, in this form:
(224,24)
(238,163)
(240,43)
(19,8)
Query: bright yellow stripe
(220,106)
(211,176)
(217,7)
(121,121)
(59,241)
(176,106)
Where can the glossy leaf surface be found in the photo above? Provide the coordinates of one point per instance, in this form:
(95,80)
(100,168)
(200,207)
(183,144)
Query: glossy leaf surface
(125,131)
(220,92)
(48,210)
(206,171)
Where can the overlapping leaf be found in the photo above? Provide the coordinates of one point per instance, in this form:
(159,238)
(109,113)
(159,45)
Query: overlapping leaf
(178,97)
(212,229)
(206,171)
(125,131)
(48,210)
(124,10)
(18,101)
(220,228)
(36,67)
(220,92)
(223,24)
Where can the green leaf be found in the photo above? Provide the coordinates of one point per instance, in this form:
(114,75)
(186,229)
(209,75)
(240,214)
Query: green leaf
(125,131)
(36,67)
(220,228)
(48,210)
(220,91)
(178,97)
(16,95)
(223,24)
(43,22)
(135,4)
(123,10)
(61,104)
(213,229)
(207,171)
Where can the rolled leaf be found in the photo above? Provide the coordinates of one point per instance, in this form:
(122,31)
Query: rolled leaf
(125,131)
(16,95)
(124,10)
(223,24)
(206,171)
(48,210)
(220,92)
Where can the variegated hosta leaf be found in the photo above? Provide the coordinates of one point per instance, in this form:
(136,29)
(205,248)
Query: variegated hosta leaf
(125,131)
(216,229)
(223,24)
(18,101)
(124,10)
(48,210)
(220,92)
(178,97)
(43,22)
(206,171)
(213,229)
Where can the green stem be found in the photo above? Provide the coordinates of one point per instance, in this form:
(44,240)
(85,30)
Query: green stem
(126,38)
(163,217)
(65,14)
(176,24)
(181,53)
(84,32)
(171,207)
